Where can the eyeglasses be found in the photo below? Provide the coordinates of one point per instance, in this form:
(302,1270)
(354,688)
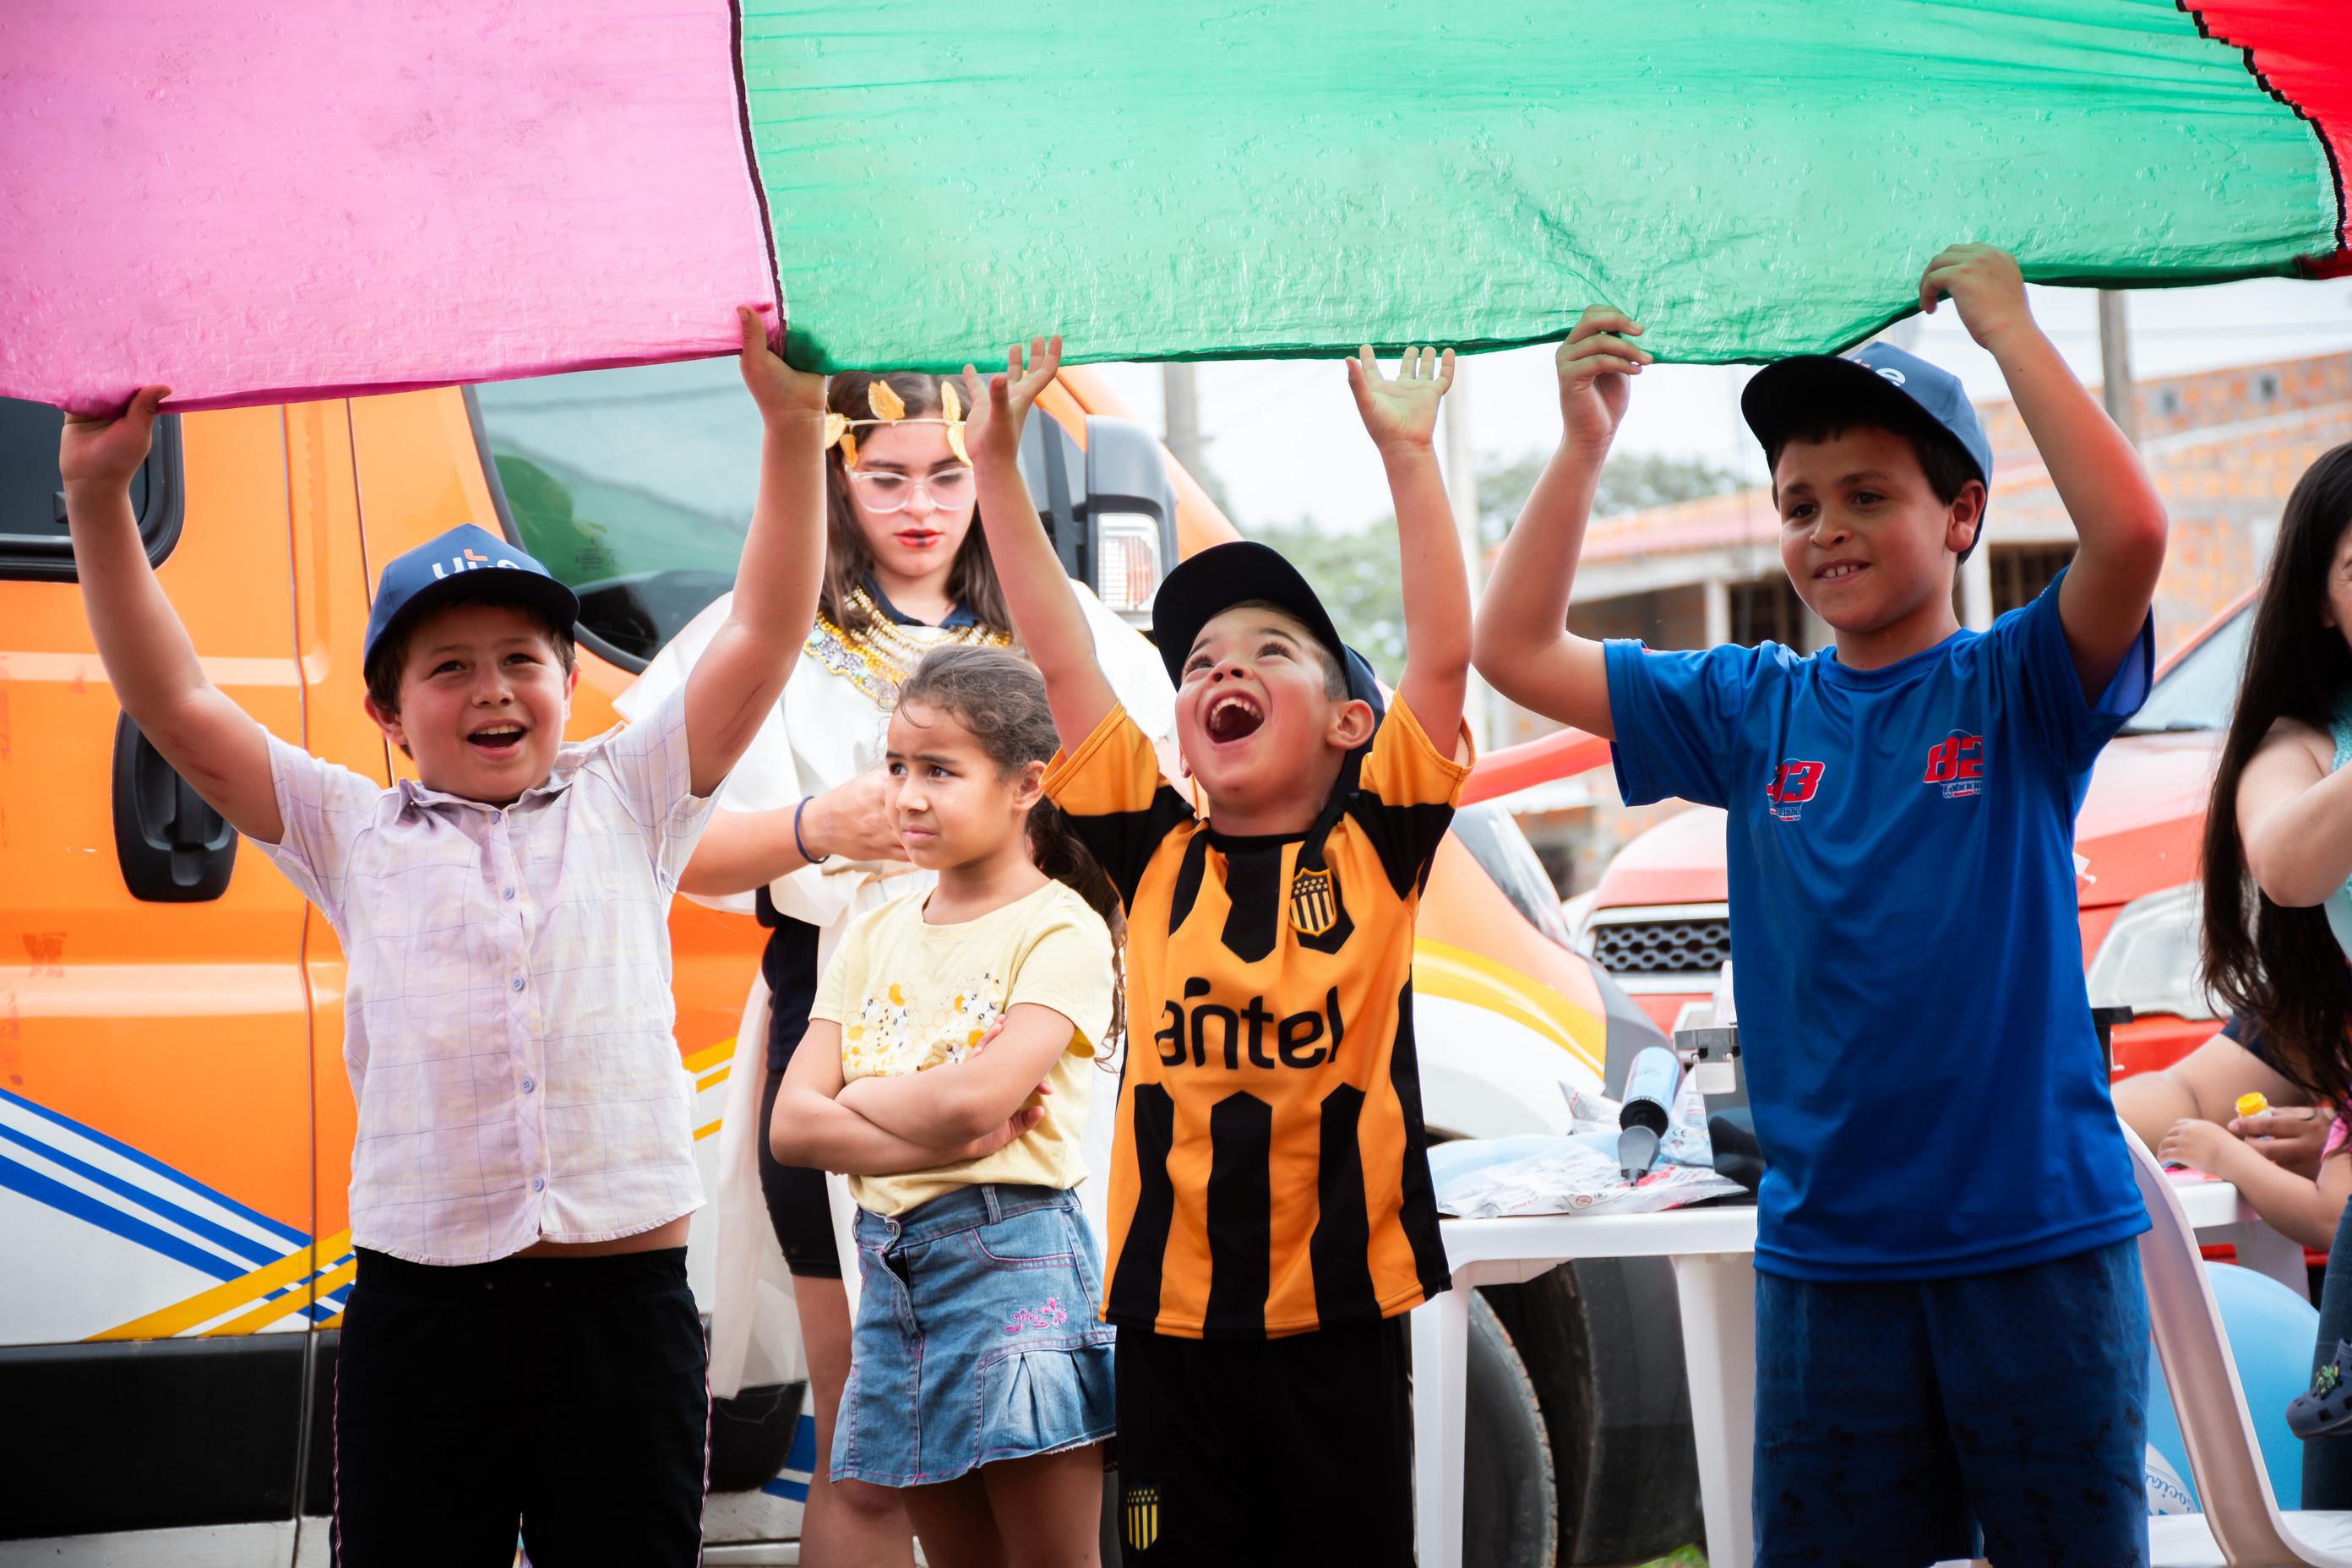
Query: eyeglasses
(885,490)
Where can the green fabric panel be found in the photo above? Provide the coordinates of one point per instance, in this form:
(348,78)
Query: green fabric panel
(1751,178)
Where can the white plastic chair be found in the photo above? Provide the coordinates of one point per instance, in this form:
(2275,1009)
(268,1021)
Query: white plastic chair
(2242,1526)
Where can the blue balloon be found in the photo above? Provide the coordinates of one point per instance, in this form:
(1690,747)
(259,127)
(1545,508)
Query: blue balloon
(2271,1331)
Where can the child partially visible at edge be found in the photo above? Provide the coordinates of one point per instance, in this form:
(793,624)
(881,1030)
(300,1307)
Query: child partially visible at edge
(520,1349)
(1270,1206)
(947,1071)
(1945,1177)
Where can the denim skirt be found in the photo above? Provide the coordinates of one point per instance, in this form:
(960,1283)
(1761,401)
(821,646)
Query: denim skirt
(977,1337)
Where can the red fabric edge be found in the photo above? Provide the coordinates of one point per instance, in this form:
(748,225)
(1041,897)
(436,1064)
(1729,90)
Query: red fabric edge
(2301,53)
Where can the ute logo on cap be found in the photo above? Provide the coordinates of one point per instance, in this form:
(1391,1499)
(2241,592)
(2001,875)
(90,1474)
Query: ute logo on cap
(1890,372)
(467,561)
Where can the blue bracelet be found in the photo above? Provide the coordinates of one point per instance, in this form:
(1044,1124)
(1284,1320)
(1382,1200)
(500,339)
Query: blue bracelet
(801,844)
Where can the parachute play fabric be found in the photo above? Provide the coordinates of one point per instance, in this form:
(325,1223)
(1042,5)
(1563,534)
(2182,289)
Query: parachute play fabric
(256,199)
(1750,179)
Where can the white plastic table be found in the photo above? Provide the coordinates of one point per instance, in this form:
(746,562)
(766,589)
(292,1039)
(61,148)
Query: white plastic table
(1710,1251)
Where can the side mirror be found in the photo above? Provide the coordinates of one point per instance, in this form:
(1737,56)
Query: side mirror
(1109,508)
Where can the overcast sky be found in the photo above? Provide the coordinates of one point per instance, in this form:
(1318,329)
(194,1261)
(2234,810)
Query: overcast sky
(1283,435)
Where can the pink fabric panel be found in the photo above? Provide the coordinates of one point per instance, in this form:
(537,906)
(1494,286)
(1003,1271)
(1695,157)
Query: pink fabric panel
(257,201)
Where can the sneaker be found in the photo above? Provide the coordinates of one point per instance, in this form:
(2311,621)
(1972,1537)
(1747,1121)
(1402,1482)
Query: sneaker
(2326,1410)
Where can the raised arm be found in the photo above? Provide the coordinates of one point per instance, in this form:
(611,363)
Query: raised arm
(738,677)
(972,1097)
(1045,611)
(1521,643)
(1401,415)
(2115,508)
(810,1126)
(216,746)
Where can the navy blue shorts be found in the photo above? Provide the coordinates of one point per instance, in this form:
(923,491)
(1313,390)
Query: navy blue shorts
(1897,1420)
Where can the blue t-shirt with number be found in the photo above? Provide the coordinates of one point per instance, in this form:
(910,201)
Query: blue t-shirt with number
(1906,962)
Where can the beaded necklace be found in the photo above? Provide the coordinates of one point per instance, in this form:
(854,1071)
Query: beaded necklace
(878,659)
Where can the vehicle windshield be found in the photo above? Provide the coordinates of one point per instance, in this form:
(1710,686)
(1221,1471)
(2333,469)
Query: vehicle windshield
(2198,692)
(1495,841)
(635,486)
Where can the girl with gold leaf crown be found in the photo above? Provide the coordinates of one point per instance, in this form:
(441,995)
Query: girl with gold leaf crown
(803,838)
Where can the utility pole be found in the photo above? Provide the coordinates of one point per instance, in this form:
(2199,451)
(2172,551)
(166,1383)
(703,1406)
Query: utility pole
(1183,414)
(1462,494)
(2114,365)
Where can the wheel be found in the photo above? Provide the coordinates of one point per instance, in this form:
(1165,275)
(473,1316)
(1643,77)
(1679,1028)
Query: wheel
(1510,1502)
(751,1435)
(1601,1343)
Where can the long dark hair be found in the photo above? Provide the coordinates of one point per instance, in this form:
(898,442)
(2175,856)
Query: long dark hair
(2283,967)
(1000,698)
(971,583)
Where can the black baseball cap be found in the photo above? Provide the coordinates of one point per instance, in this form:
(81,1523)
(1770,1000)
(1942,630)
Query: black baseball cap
(1205,585)
(1899,386)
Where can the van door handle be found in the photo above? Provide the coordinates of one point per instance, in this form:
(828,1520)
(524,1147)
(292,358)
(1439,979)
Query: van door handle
(172,847)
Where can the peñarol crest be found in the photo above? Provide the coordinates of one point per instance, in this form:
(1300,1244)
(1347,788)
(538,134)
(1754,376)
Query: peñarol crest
(1314,902)
(1142,1517)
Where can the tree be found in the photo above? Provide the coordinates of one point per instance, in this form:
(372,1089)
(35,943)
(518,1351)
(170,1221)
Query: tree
(1357,572)
(1629,482)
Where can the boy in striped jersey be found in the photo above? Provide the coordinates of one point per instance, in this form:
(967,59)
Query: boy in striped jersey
(1270,1217)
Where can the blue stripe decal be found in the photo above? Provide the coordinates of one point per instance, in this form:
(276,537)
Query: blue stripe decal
(292,1235)
(255,1252)
(81,1205)
(803,1458)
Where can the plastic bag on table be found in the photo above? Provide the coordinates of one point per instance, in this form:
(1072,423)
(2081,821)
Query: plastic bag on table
(1579,1174)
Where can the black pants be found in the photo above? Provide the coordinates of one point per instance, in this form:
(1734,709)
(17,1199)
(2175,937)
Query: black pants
(799,1210)
(1273,1452)
(2328,1461)
(564,1398)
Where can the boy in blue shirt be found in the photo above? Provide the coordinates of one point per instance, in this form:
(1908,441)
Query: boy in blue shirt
(1950,1331)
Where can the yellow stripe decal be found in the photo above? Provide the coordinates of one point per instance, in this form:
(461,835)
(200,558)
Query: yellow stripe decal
(705,1059)
(231,1294)
(713,1081)
(269,1312)
(1441,969)
(702,1132)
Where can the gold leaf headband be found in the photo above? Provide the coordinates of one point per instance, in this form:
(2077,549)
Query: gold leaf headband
(890,408)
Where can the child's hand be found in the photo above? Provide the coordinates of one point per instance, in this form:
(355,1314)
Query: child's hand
(996,413)
(1984,283)
(2201,1146)
(1015,1125)
(855,819)
(1402,412)
(780,391)
(108,448)
(2292,1137)
(1593,362)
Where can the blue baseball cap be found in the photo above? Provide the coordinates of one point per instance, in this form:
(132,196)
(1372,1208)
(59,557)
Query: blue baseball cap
(432,574)
(1877,377)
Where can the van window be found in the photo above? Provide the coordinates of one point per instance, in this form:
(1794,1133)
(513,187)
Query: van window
(633,486)
(1495,841)
(33,540)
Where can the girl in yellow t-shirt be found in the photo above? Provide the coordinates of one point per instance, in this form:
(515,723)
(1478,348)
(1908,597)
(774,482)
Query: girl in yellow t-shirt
(945,1069)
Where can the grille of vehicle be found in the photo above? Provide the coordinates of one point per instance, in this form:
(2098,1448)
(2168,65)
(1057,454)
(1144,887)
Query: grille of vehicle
(1664,947)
